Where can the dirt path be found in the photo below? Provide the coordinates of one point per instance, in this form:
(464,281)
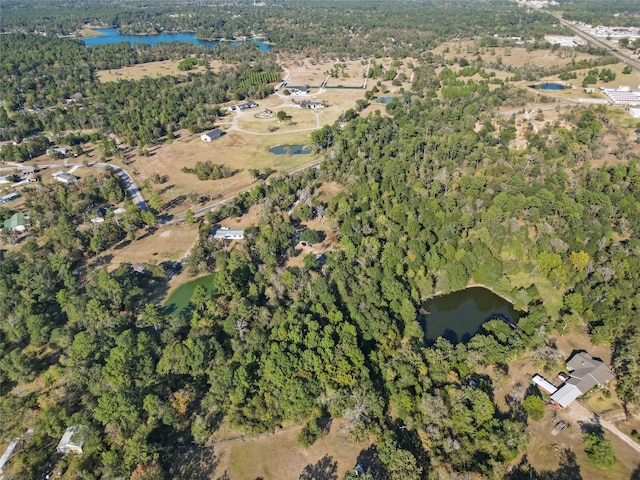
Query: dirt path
(580,413)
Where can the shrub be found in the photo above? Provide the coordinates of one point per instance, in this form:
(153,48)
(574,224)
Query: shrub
(534,406)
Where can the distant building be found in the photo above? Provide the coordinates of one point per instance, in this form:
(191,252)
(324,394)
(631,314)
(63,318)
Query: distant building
(18,222)
(298,91)
(224,233)
(585,373)
(212,135)
(9,197)
(243,106)
(65,177)
(72,440)
(57,150)
(309,104)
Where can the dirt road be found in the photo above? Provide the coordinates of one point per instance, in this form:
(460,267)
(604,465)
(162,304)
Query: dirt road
(580,413)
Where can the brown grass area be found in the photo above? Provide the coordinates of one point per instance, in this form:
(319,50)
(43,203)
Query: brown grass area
(169,243)
(543,457)
(279,457)
(151,69)
(235,150)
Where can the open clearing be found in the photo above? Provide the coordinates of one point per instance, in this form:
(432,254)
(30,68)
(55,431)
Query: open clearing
(151,70)
(279,457)
(169,243)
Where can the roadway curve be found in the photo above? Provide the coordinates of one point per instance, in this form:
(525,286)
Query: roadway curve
(132,190)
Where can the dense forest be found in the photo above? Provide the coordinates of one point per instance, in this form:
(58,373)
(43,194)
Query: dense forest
(616,13)
(328,28)
(433,197)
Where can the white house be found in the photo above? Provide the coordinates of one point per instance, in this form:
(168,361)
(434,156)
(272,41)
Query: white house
(72,440)
(65,177)
(224,233)
(634,112)
(212,135)
(300,91)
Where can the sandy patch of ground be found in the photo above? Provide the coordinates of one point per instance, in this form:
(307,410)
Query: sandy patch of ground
(279,457)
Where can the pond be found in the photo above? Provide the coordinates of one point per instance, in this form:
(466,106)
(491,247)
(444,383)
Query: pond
(384,100)
(111,35)
(459,316)
(290,150)
(551,86)
(181,296)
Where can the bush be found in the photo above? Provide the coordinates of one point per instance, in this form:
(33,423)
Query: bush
(534,406)
(310,433)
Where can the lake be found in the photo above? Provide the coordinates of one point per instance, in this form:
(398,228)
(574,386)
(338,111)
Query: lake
(181,296)
(459,316)
(111,35)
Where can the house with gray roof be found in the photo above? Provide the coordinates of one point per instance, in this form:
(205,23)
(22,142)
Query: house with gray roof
(212,135)
(585,372)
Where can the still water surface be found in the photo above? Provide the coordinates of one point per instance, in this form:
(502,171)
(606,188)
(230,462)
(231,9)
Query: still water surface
(459,316)
(111,35)
(181,296)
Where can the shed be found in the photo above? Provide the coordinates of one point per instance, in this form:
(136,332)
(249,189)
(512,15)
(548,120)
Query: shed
(634,112)
(212,135)
(544,385)
(9,197)
(72,440)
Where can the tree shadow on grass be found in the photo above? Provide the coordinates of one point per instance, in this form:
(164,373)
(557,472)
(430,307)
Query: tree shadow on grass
(195,463)
(324,469)
(568,469)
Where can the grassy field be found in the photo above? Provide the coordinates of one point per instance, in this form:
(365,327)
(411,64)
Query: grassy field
(169,243)
(279,457)
(151,69)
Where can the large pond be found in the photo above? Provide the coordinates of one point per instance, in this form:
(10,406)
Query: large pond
(290,150)
(181,296)
(459,316)
(111,35)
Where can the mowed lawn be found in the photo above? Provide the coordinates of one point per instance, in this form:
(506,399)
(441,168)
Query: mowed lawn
(279,457)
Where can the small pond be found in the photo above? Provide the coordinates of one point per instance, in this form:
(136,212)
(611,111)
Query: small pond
(551,86)
(290,150)
(384,100)
(459,316)
(181,296)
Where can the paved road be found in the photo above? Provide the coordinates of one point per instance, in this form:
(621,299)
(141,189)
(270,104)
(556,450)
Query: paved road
(132,189)
(628,59)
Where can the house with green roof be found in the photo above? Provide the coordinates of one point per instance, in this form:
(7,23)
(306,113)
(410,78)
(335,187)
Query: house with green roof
(18,222)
